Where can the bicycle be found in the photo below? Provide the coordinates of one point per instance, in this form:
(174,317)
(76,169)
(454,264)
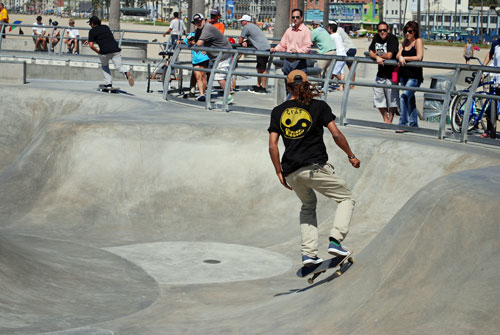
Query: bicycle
(479,108)
(160,70)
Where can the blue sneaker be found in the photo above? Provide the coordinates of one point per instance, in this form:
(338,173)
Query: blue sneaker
(337,250)
(306,260)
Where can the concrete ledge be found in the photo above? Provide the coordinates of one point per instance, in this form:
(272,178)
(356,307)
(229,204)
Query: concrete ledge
(13,72)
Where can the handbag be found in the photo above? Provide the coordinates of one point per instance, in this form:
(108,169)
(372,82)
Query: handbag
(395,75)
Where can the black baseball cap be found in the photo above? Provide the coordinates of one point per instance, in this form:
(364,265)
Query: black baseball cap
(38,18)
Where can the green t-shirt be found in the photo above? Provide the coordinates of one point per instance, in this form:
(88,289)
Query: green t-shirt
(323,40)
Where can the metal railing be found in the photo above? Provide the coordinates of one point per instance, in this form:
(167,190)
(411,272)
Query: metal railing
(120,40)
(175,63)
(62,36)
(447,93)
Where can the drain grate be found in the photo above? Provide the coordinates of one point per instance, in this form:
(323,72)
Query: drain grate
(211,261)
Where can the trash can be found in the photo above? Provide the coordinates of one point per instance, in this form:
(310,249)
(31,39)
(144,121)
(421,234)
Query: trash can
(433,102)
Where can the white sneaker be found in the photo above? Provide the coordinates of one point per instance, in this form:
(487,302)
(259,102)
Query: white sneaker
(306,260)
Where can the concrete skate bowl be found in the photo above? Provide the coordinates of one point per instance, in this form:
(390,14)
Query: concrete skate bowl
(119,216)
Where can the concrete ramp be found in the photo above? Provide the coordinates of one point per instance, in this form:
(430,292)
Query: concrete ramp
(123,216)
(435,268)
(51,284)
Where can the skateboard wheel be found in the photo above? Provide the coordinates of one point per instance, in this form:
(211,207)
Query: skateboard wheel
(338,273)
(350,260)
(310,280)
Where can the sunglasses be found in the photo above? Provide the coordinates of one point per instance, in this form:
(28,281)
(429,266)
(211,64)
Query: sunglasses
(409,31)
(382,30)
(296,17)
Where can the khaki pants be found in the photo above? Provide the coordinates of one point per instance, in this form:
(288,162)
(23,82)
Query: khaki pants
(116,58)
(323,63)
(320,178)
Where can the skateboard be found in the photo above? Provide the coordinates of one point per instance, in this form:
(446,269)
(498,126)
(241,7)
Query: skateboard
(104,89)
(317,269)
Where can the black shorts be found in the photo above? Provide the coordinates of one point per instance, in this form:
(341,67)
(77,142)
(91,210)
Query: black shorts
(350,53)
(204,64)
(262,62)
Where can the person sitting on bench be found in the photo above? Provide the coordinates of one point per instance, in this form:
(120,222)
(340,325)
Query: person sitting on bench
(39,35)
(73,36)
(55,36)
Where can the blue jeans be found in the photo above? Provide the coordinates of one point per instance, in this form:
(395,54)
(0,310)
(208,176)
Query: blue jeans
(297,64)
(409,114)
(173,42)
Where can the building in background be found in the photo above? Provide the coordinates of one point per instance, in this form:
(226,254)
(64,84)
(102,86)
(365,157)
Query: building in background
(313,10)
(355,15)
(437,19)
(395,12)
(259,10)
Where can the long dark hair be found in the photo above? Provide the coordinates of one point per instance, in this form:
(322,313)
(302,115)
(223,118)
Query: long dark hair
(416,31)
(304,92)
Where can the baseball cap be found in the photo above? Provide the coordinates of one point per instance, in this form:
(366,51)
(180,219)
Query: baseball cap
(296,76)
(246,18)
(333,22)
(215,11)
(55,23)
(316,22)
(197,18)
(38,18)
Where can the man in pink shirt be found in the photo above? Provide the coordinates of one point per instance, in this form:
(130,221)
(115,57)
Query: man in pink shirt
(297,39)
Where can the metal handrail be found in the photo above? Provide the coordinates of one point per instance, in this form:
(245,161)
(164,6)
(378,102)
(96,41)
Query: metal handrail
(49,28)
(447,93)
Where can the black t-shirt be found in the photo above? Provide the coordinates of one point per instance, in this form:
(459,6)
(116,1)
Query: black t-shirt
(380,47)
(104,38)
(301,128)
(409,71)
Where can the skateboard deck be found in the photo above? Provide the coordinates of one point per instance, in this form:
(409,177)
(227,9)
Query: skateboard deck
(317,269)
(115,90)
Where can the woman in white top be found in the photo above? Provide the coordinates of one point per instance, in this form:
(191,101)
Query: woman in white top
(338,70)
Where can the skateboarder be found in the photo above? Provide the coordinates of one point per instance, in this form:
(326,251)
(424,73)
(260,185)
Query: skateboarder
(108,50)
(304,168)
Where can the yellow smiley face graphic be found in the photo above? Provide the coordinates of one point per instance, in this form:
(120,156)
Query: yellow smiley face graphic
(295,122)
